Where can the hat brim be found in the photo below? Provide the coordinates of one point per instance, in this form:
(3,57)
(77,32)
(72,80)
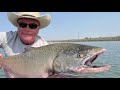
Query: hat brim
(44,20)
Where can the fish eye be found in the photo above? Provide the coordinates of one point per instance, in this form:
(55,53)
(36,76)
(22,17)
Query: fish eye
(79,55)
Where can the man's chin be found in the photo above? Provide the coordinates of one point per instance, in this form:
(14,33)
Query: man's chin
(28,41)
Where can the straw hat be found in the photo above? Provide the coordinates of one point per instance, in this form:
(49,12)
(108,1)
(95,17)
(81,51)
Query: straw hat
(44,20)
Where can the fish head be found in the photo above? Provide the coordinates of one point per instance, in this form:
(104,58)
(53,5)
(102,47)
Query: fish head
(79,59)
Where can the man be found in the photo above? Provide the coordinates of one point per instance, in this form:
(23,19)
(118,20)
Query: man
(28,25)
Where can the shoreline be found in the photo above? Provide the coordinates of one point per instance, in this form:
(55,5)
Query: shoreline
(117,38)
(79,41)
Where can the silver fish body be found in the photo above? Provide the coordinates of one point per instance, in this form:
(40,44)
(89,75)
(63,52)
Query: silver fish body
(59,58)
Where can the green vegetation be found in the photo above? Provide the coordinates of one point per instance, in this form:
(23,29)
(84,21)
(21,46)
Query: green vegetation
(87,39)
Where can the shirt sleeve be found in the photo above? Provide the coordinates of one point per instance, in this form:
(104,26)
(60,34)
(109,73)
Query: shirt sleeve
(3,39)
(6,37)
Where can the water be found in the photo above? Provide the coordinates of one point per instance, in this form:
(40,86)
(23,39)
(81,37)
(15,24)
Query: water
(110,57)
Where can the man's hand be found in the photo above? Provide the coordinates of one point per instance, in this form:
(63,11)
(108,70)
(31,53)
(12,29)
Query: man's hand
(1,56)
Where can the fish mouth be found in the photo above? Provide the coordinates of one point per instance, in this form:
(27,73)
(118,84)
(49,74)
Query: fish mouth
(87,66)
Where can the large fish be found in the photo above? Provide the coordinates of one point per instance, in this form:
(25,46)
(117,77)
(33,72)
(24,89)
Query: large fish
(59,59)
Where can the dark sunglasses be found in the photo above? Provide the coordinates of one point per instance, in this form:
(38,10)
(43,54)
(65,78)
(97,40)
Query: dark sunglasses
(24,25)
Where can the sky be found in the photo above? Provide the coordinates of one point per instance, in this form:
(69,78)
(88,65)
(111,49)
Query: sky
(73,25)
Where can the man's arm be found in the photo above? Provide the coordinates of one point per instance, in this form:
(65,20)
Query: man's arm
(2,41)
(1,56)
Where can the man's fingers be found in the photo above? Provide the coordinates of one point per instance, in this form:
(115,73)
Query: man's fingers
(1,56)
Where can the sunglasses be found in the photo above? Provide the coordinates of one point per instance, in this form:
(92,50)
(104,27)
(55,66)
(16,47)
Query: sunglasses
(24,25)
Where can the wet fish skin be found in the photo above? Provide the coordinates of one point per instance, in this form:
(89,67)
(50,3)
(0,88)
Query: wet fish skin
(43,61)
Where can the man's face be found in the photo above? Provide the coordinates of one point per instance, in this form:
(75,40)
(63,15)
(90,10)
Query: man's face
(28,30)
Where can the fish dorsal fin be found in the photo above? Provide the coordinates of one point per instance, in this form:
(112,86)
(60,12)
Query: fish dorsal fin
(28,49)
